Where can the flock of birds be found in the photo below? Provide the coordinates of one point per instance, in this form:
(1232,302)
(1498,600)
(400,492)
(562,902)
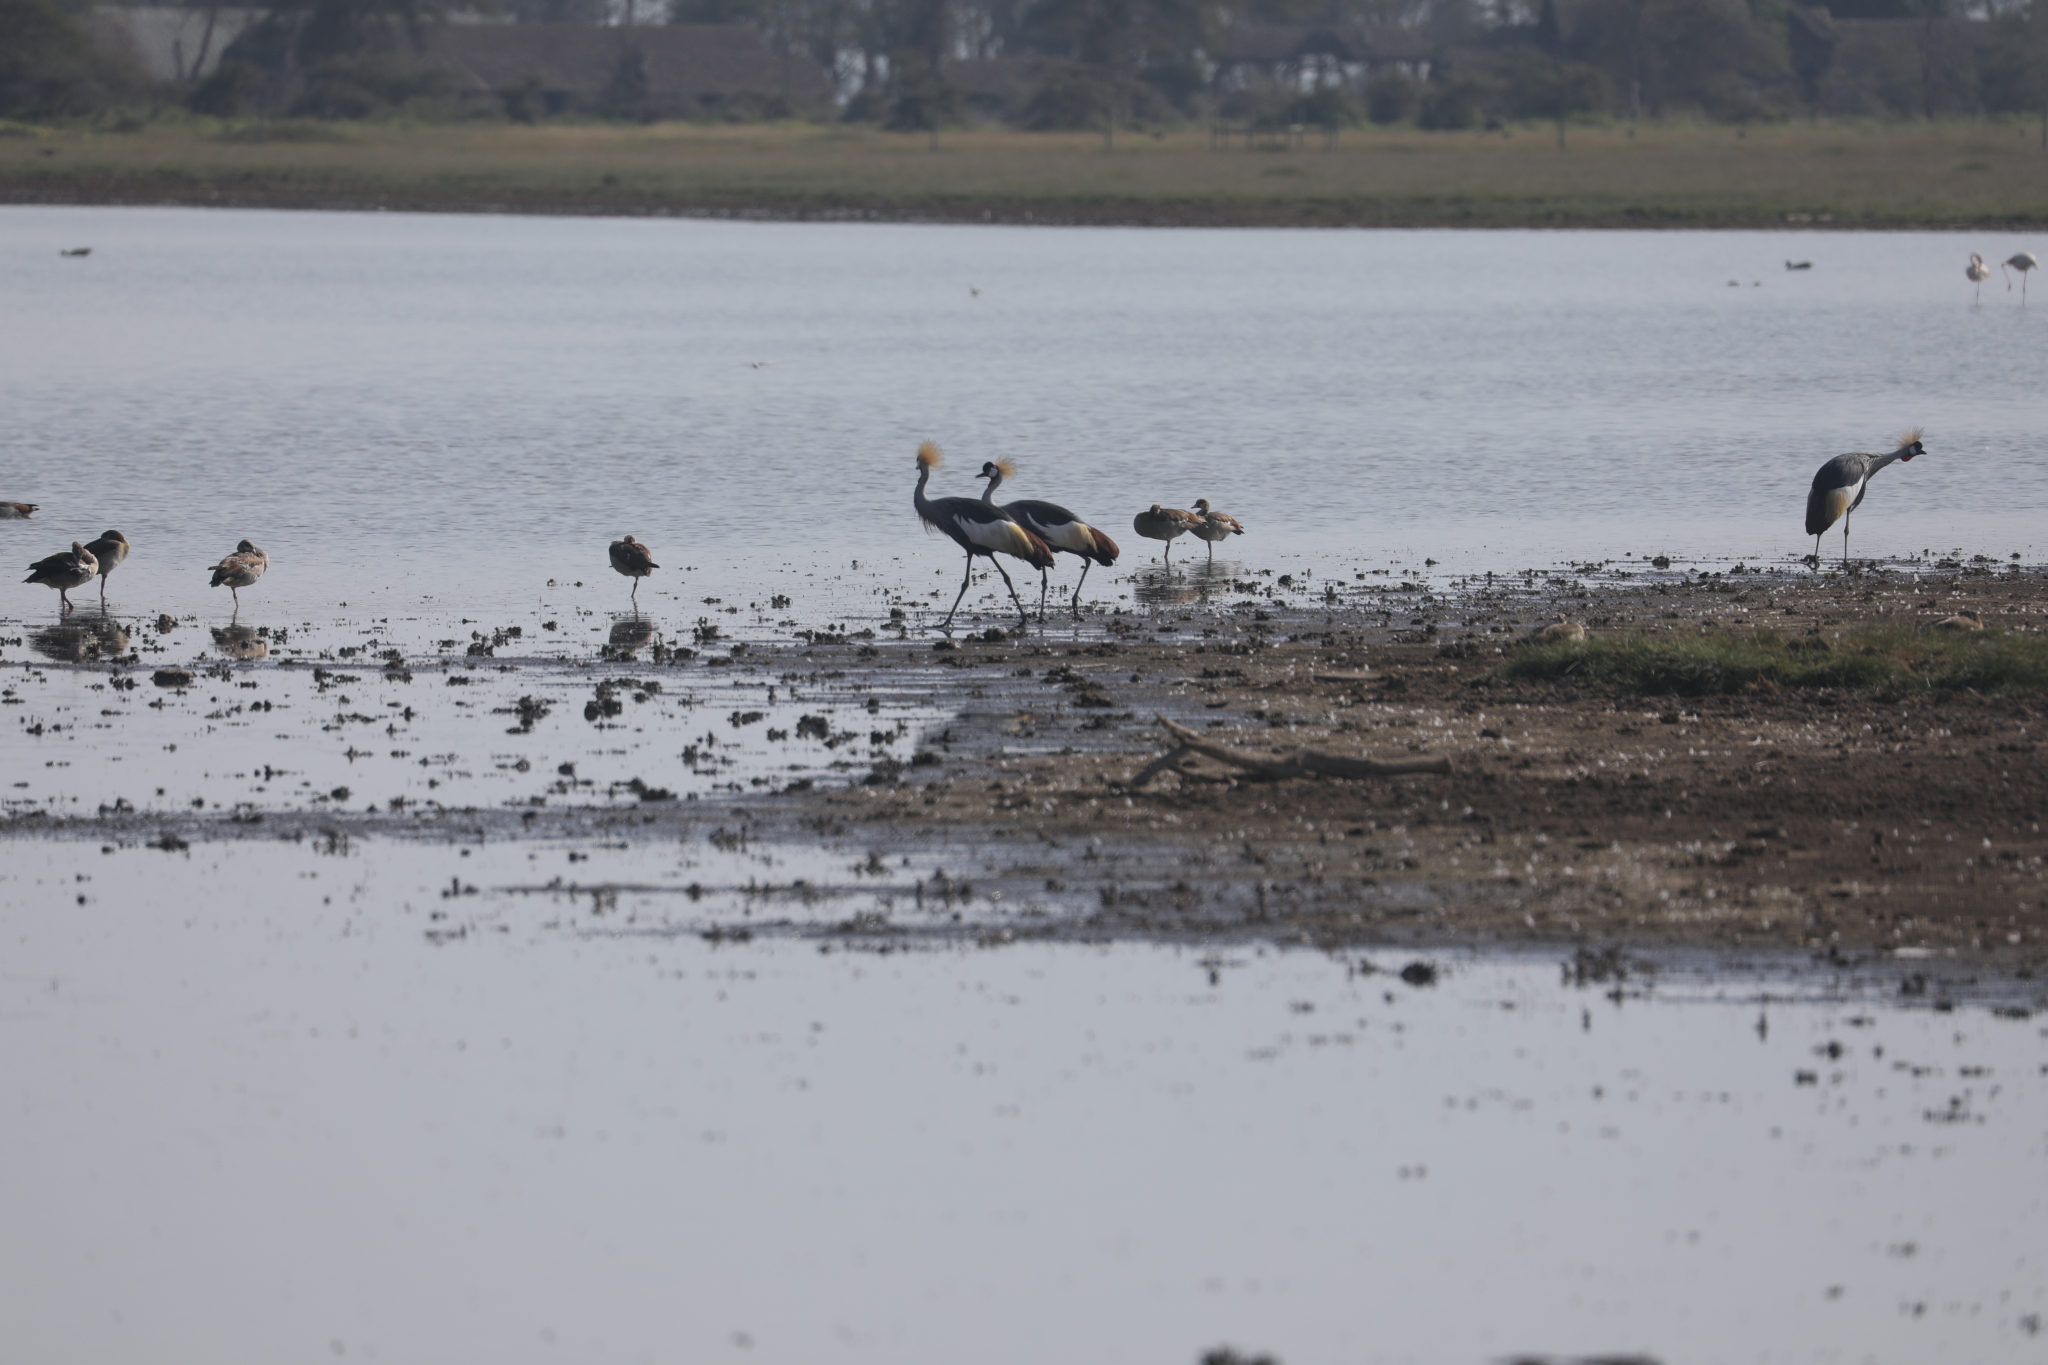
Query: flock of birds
(83,562)
(1976,272)
(1035,532)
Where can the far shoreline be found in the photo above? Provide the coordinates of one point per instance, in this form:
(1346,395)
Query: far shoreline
(1785,178)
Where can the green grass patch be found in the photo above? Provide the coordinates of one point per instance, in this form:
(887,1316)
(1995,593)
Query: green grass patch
(1885,661)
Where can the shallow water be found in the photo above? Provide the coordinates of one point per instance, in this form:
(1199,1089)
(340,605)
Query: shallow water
(412,410)
(444,1092)
(263,1106)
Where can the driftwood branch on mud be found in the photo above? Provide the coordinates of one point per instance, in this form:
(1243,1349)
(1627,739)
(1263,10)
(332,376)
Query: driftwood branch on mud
(1302,764)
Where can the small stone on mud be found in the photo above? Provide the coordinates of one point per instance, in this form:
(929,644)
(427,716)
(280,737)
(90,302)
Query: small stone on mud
(1419,973)
(172,677)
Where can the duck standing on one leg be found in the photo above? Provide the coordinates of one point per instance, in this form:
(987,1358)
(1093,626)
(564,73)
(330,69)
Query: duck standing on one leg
(73,569)
(240,570)
(1165,523)
(110,549)
(1215,526)
(635,561)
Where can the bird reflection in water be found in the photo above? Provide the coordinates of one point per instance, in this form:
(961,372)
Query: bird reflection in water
(628,634)
(1166,588)
(87,642)
(240,642)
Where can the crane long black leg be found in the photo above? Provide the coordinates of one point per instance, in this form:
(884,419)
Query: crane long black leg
(1044,583)
(1845,541)
(1023,618)
(965,579)
(1086,565)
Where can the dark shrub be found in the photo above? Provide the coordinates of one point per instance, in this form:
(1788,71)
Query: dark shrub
(1393,97)
(1072,98)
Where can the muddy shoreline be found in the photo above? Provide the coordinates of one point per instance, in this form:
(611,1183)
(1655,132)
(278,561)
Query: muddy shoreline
(1853,829)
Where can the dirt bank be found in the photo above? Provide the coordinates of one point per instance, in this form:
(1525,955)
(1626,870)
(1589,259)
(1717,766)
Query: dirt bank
(1769,818)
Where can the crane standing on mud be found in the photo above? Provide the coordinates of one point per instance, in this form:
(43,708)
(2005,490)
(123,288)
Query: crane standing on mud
(980,528)
(1056,526)
(1839,487)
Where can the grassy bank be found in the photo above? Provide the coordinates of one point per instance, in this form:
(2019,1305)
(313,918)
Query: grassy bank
(1844,176)
(1887,661)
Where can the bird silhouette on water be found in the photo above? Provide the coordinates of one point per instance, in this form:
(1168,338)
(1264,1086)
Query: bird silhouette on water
(1839,486)
(2024,262)
(1976,272)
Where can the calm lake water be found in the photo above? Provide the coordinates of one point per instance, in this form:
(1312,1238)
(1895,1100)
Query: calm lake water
(412,1098)
(400,407)
(255,1113)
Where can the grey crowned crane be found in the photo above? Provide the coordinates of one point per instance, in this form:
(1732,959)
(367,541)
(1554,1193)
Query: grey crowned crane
(1215,526)
(2022,261)
(977,527)
(1164,523)
(74,568)
(1976,272)
(239,570)
(1056,526)
(1839,487)
(110,549)
(635,561)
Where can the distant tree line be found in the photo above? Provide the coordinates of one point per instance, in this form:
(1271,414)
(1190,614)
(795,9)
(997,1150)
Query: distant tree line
(1099,63)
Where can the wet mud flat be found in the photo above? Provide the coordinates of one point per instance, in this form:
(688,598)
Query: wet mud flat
(984,783)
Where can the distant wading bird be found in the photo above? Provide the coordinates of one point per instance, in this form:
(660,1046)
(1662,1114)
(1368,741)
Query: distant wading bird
(16,511)
(74,568)
(980,528)
(2023,262)
(1976,272)
(635,561)
(1839,487)
(110,549)
(1164,523)
(1215,526)
(1056,526)
(240,569)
